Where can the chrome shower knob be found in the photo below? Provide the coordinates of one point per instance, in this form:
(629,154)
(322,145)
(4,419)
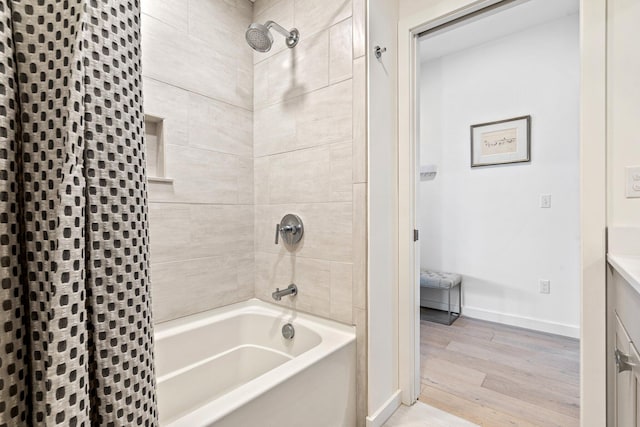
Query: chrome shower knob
(290,229)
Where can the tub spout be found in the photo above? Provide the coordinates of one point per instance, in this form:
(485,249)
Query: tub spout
(291,290)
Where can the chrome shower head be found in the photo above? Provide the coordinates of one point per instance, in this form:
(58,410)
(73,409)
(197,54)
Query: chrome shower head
(260,39)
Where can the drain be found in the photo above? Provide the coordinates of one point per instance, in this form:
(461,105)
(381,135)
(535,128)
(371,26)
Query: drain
(287,331)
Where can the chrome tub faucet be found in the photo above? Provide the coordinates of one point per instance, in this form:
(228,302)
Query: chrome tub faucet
(290,290)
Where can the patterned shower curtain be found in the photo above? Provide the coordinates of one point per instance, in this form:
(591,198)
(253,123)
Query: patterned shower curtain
(75,320)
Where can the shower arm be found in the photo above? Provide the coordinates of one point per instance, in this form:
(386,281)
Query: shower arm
(278,28)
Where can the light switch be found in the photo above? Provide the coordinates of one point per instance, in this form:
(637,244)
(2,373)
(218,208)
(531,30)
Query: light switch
(632,178)
(545,286)
(545,201)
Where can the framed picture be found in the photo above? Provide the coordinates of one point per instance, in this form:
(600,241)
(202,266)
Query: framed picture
(501,142)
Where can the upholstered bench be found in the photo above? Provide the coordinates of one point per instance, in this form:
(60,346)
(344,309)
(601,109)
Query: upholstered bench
(445,281)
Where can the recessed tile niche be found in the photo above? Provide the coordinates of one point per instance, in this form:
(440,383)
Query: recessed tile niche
(154,138)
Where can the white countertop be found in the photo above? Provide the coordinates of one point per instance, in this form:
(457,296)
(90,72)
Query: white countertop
(628,267)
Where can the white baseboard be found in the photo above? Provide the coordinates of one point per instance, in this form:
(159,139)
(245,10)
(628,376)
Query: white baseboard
(522,321)
(385,411)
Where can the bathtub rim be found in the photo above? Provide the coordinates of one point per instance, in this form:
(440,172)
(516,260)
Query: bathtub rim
(334,337)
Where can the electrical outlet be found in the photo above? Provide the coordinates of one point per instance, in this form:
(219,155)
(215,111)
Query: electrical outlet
(545,201)
(633,181)
(545,286)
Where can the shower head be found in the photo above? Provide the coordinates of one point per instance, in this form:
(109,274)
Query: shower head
(260,39)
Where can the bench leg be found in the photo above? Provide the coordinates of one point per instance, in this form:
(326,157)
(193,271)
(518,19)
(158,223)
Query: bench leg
(449,306)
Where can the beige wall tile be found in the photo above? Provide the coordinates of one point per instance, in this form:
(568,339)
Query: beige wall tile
(171,104)
(300,176)
(198,77)
(341,173)
(360,120)
(327,235)
(164,52)
(318,174)
(282,13)
(341,292)
(187,287)
(244,84)
(172,12)
(261,180)
(359,27)
(309,142)
(316,118)
(324,116)
(294,72)
(274,128)
(340,51)
(260,84)
(167,237)
(360,320)
(324,287)
(215,73)
(260,6)
(183,232)
(202,176)
(312,16)
(305,152)
(245,187)
(174,57)
(311,276)
(221,23)
(360,245)
(218,126)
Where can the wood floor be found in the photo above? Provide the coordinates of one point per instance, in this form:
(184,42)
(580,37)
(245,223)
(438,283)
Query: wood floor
(496,375)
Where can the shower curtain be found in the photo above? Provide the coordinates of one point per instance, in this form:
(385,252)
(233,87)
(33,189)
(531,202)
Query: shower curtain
(75,315)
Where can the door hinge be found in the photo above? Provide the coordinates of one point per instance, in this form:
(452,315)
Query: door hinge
(416,235)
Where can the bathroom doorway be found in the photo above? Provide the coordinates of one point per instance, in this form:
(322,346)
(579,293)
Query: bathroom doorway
(497,184)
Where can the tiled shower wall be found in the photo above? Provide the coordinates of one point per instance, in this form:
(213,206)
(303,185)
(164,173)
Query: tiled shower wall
(250,137)
(310,159)
(198,77)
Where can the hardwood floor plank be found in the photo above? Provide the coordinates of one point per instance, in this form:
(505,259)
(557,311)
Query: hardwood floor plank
(460,329)
(470,411)
(513,406)
(439,370)
(514,343)
(490,367)
(534,394)
(538,341)
(525,361)
(497,375)
(435,338)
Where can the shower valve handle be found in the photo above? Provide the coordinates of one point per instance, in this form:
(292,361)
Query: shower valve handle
(285,229)
(290,229)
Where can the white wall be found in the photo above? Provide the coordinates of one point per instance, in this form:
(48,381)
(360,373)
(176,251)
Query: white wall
(486,223)
(383,222)
(623,95)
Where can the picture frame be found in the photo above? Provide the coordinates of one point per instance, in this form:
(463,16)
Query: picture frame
(501,142)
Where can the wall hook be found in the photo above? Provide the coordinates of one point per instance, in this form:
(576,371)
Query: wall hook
(378,51)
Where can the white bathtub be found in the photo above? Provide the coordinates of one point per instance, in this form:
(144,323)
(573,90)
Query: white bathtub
(232,367)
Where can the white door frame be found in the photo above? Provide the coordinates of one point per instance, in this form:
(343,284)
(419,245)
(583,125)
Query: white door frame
(592,198)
